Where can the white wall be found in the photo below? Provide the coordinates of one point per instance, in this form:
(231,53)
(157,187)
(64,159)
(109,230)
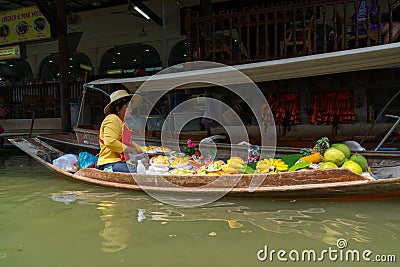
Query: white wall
(103,30)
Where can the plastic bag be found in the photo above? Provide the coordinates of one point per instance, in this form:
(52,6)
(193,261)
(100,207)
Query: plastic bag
(86,160)
(68,162)
(254,152)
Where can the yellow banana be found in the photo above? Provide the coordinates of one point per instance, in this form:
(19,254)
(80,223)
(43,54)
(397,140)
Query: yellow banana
(263,163)
(224,167)
(263,168)
(271,165)
(238,159)
(267,161)
(281,165)
(235,164)
(281,169)
(278,162)
(231,170)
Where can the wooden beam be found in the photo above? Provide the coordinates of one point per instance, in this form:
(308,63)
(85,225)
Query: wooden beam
(63,65)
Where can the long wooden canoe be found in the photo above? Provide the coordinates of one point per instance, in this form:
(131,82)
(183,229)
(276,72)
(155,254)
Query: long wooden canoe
(316,184)
(90,144)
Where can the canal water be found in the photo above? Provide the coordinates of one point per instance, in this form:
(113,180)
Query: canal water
(47,221)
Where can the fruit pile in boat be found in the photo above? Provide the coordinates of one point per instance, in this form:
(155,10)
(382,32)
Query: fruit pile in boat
(326,156)
(322,156)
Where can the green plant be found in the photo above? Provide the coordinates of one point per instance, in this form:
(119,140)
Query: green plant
(191,148)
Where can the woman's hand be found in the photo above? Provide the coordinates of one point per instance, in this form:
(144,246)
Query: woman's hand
(133,148)
(137,147)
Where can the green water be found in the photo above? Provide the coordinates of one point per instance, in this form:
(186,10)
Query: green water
(47,221)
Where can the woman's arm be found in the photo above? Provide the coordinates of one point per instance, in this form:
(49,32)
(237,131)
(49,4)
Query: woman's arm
(112,130)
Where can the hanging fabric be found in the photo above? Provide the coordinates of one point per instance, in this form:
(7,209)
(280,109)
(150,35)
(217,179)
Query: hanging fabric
(332,108)
(284,108)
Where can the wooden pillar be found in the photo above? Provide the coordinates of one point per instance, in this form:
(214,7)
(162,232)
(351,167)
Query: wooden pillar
(63,67)
(188,26)
(205,8)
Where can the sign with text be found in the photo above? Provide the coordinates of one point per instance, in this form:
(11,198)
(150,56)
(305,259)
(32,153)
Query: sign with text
(23,25)
(10,52)
(86,67)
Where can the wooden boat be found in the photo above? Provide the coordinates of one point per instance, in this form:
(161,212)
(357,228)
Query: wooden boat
(314,184)
(377,159)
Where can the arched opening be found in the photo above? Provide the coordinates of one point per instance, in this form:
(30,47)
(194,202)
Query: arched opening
(177,54)
(49,67)
(15,71)
(130,61)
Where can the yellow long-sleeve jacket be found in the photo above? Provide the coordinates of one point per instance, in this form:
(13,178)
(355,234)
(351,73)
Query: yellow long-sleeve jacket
(111,147)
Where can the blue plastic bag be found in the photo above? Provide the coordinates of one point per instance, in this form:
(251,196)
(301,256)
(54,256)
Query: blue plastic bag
(86,160)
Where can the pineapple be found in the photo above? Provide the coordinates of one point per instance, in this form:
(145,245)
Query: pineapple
(315,155)
(305,152)
(314,158)
(320,146)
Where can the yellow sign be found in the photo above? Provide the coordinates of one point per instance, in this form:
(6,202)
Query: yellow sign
(10,52)
(23,25)
(115,71)
(85,67)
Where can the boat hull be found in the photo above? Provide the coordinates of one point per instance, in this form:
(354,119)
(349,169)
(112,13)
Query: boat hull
(312,184)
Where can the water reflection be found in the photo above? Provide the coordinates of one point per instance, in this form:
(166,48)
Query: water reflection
(322,221)
(117,226)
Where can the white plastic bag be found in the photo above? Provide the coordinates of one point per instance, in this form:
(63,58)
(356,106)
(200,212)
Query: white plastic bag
(68,162)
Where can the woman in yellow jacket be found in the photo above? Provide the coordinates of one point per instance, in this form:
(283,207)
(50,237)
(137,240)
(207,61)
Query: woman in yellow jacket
(110,135)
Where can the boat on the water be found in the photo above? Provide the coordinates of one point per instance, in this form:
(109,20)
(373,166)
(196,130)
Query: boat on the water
(309,184)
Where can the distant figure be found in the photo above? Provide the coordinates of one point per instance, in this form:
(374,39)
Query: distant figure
(140,70)
(373,22)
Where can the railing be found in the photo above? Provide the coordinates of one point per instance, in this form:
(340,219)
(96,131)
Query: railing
(44,98)
(313,27)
